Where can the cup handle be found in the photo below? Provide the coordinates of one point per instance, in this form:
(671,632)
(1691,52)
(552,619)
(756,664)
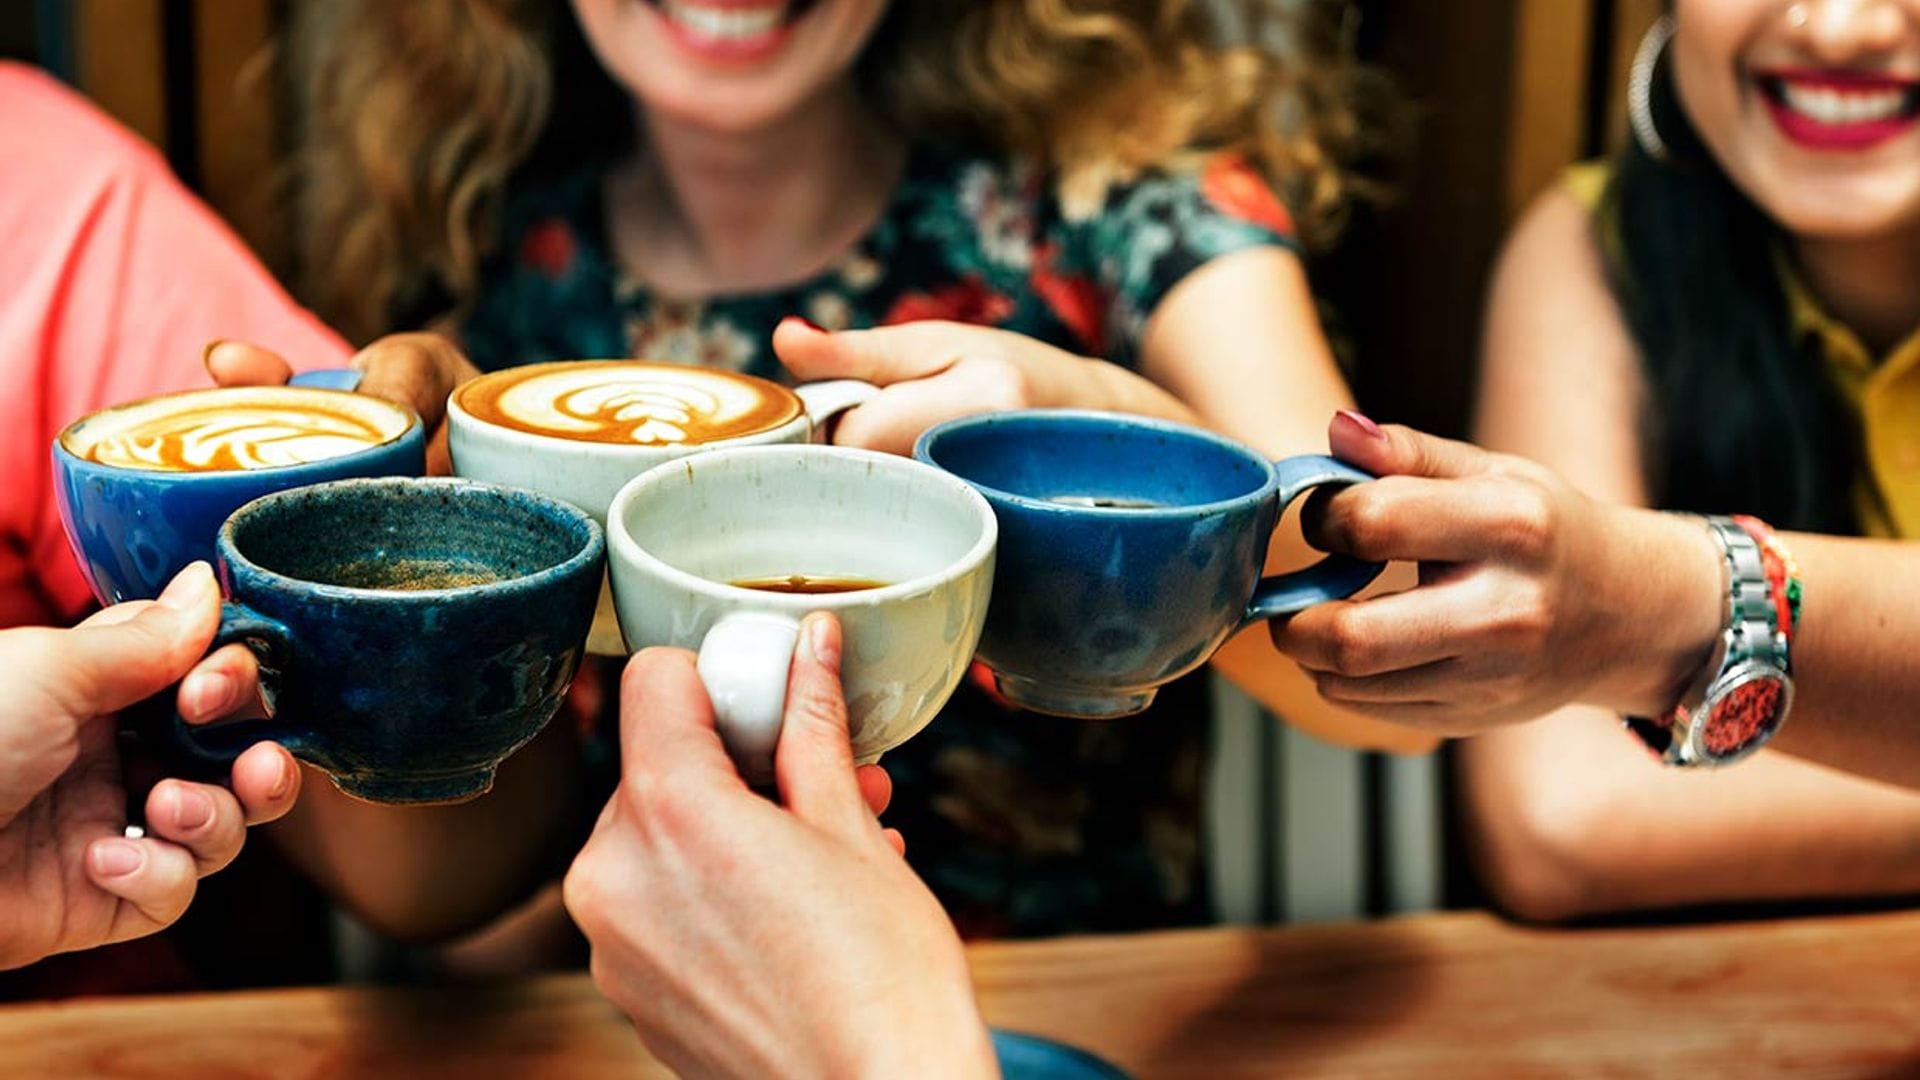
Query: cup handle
(744,662)
(212,749)
(1332,578)
(826,400)
(340,378)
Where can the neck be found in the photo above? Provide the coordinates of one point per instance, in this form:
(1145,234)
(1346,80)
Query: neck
(1871,285)
(698,212)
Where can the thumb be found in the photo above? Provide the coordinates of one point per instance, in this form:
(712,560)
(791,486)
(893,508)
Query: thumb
(236,363)
(882,356)
(1393,450)
(813,764)
(130,652)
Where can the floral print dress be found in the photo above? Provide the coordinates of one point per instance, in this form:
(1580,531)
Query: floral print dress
(1022,824)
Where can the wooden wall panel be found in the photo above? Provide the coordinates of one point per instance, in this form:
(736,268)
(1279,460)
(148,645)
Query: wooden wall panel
(1553,43)
(120,62)
(235,107)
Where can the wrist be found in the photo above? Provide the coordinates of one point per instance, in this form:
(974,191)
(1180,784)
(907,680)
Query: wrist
(1672,580)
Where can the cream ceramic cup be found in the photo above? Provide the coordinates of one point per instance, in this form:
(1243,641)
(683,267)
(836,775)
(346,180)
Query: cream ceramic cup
(580,429)
(682,535)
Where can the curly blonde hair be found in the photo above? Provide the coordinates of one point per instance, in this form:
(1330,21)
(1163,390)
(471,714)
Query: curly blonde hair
(418,114)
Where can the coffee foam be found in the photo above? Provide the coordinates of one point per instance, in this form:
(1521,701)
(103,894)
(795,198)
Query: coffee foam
(629,401)
(235,428)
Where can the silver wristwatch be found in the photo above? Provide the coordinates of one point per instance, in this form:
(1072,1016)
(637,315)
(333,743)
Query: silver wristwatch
(1746,689)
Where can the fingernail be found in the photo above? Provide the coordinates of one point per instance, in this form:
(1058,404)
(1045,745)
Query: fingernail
(1367,427)
(282,786)
(117,858)
(206,354)
(207,693)
(191,809)
(188,588)
(806,322)
(816,639)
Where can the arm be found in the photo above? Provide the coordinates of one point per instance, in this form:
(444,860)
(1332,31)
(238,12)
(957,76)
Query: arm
(1261,372)
(1239,342)
(424,874)
(1569,814)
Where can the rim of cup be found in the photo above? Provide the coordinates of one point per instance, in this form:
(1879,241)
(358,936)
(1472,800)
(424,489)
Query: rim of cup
(457,414)
(413,424)
(620,541)
(589,552)
(924,448)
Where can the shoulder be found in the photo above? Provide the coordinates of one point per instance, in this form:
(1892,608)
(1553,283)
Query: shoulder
(50,132)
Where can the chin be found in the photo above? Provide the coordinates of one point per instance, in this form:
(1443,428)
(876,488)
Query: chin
(1851,208)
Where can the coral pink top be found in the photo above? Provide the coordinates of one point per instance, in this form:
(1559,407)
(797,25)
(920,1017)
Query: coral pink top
(114,280)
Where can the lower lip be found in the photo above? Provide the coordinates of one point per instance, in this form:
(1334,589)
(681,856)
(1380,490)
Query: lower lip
(1815,135)
(733,50)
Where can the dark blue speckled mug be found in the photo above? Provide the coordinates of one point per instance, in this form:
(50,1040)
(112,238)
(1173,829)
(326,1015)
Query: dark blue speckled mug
(1130,549)
(411,632)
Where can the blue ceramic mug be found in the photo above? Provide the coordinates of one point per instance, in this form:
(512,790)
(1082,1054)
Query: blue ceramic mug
(411,632)
(1130,549)
(144,487)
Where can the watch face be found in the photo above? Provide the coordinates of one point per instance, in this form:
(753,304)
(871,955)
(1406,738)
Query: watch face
(1742,711)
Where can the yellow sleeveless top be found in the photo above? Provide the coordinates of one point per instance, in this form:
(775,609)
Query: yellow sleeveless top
(1884,391)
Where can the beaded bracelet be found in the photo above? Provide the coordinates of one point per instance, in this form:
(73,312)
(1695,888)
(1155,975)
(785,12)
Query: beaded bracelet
(1783,574)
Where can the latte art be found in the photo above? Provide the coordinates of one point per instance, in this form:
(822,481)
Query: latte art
(246,437)
(629,402)
(235,428)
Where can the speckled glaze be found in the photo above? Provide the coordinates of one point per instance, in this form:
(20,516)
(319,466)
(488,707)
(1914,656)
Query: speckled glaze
(401,691)
(679,535)
(132,530)
(1095,608)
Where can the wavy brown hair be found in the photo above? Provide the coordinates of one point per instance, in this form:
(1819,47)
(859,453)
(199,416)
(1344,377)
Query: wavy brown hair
(418,115)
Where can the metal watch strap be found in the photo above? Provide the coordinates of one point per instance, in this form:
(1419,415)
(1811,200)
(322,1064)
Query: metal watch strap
(1751,643)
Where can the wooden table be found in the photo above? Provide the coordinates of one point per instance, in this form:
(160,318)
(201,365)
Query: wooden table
(1436,996)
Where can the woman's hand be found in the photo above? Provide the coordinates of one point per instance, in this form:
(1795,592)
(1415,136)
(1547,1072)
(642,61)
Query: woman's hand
(749,938)
(935,371)
(415,370)
(69,877)
(1531,595)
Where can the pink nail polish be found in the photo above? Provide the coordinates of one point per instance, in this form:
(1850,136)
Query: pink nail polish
(1367,427)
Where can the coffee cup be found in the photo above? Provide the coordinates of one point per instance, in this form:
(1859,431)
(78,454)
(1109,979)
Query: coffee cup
(580,429)
(1130,549)
(411,632)
(726,551)
(144,487)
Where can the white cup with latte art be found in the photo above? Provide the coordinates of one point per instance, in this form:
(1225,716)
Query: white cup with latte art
(580,429)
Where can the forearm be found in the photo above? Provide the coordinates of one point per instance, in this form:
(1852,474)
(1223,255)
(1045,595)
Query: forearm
(422,874)
(1571,817)
(1856,657)
(1082,383)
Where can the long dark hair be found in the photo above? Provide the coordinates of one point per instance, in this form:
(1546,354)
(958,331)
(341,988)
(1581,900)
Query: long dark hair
(1739,417)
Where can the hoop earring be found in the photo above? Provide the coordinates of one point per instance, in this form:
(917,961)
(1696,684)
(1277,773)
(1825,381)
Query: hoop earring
(1640,89)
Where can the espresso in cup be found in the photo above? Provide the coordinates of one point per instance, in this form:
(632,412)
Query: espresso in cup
(580,429)
(144,487)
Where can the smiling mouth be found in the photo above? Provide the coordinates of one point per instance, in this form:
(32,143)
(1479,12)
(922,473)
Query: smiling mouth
(1842,98)
(733,22)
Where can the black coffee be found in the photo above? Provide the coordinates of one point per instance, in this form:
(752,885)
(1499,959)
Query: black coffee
(809,583)
(1106,502)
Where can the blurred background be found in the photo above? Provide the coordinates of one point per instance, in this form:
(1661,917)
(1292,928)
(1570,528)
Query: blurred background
(1505,93)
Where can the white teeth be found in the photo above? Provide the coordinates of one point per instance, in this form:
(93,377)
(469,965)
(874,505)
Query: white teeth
(724,23)
(1827,105)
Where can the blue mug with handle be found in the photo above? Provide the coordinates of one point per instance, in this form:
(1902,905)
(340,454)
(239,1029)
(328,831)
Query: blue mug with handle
(411,632)
(1130,549)
(135,519)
